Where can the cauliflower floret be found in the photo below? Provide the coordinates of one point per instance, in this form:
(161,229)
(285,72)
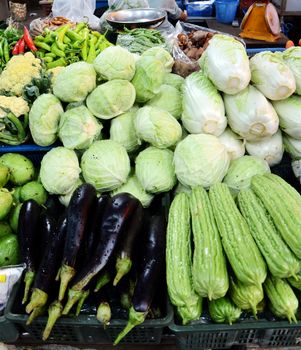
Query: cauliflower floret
(19,71)
(17,105)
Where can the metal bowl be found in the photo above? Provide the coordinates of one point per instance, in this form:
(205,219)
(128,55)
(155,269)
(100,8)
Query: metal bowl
(133,18)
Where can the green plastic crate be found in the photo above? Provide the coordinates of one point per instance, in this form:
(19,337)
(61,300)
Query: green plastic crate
(215,336)
(8,331)
(87,329)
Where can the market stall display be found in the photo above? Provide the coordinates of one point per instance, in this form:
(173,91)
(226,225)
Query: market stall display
(126,134)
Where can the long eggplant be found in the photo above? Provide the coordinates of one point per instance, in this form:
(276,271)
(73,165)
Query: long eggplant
(54,207)
(117,213)
(151,273)
(27,232)
(77,217)
(49,266)
(47,224)
(124,254)
(54,313)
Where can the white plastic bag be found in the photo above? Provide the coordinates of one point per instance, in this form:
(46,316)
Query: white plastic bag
(76,11)
(9,276)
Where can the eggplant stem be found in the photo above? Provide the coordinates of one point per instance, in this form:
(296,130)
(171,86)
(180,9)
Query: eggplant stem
(73,297)
(104,314)
(81,301)
(28,280)
(66,275)
(123,266)
(38,311)
(54,313)
(135,318)
(38,299)
(102,281)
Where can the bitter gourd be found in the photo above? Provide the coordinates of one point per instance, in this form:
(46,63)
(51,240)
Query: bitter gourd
(246,297)
(283,301)
(281,261)
(209,271)
(283,207)
(295,281)
(239,245)
(178,261)
(223,310)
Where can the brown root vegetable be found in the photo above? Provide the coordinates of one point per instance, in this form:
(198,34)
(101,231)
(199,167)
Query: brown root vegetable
(183,39)
(192,53)
(184,69)
(199,53)
(199,35)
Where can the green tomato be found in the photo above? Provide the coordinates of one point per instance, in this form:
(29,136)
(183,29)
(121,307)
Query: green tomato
(33,190)
(4,175)
(5,229)
(21,168)
(14,217)
(6,202)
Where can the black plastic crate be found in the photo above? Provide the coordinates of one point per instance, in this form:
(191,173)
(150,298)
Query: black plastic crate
(33,152)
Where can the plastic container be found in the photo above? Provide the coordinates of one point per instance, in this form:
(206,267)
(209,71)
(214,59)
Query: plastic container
(8,331)
(226,10)
(255,50)
(101,4)
(86,328)
(33,152)
(200,8)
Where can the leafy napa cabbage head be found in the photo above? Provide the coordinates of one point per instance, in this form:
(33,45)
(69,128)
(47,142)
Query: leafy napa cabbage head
(289,113)
(79,128)
(75,82)
(123,130)
(201,160)
(250,114)
(115,62)
(59,170)
(155,170)
(272,76)
(162,55)
(226,64)
(111,99)
(292,58)
(133,186)
(169,98)
(234,144)
(242,170)
(203,107)
(292,146)
(44,118)
(105,165)
(148,78)
(158,127)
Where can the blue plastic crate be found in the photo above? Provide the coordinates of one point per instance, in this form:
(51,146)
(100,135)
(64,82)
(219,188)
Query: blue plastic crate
(256,50)
(200,8)
(33,152)
(101,4)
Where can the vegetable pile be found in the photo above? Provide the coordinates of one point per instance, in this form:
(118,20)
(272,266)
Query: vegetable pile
(8,38)
(255,235)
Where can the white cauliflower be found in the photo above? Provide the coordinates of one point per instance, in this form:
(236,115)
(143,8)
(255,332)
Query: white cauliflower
(17,105)
(19,72)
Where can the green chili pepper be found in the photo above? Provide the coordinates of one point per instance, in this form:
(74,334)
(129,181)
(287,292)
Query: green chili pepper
(97,34)
(48,59)
(6,51)
(12,130)
(73,36)
(85,50)
(66,40)
(1,48)
(49,39)
(50,54)
(40,54)
(57,51)
(93,39)
(78,44)
(92,54)
(39,38)
(60,36)
(60,45)
(61,62)
(42,45)
(80,26)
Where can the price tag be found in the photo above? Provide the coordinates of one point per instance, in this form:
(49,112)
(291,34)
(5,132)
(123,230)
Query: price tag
(2,278)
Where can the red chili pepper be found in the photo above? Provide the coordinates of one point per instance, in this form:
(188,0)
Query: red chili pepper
(15,50)
(28,40)
(22,46)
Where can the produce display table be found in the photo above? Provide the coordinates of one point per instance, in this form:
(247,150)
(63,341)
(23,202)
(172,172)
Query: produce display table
(212,23)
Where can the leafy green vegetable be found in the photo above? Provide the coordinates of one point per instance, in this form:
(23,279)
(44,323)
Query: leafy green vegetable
(161,55)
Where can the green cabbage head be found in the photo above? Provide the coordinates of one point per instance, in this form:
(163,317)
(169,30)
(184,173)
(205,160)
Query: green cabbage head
(75,82)
(65,198)
(59,170)
(44,118)
(148,78)
(292,58)
(162,55)
(111,99)
(79,128)
(123,131)
(201,160)
(174,80)
(158,127)
(242,170)
(155,170)
(169,98)
(105,165)
(115,62)
(133,186)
